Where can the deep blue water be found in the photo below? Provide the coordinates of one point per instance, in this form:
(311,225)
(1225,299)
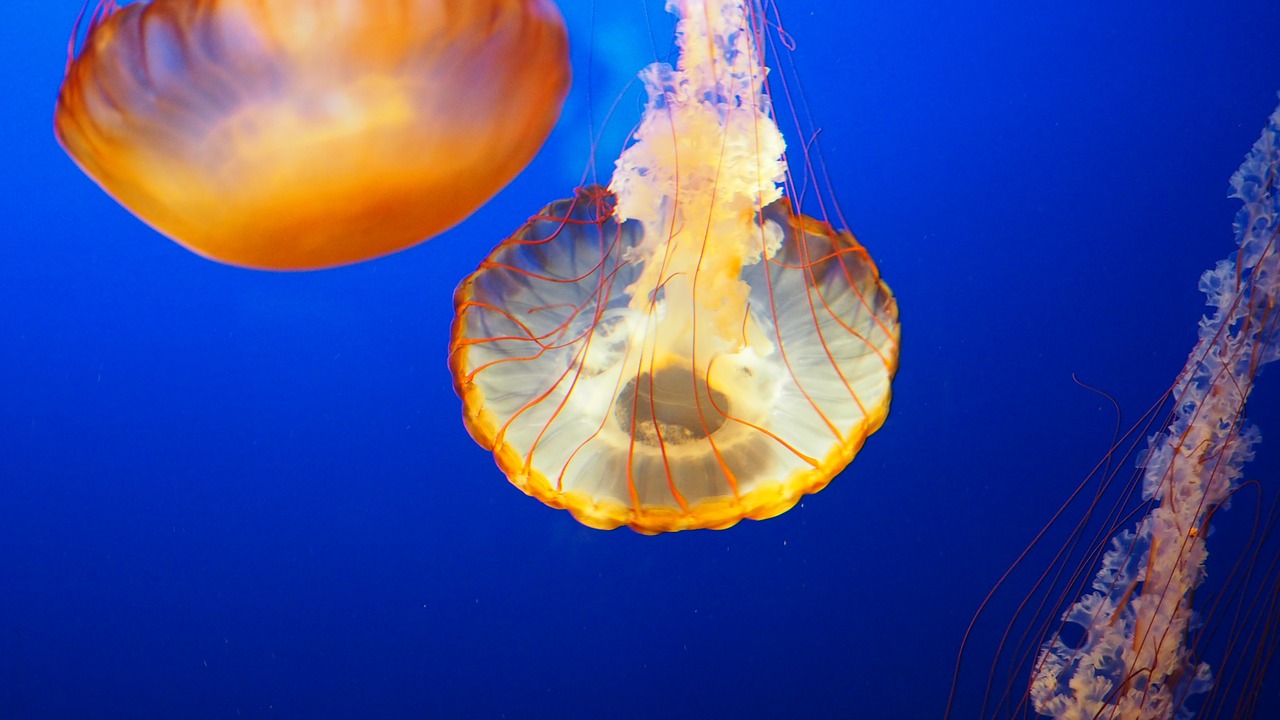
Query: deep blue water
(234,494)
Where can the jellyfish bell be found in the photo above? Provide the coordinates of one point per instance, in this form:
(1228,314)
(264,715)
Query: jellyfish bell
(681,349)
(302,134)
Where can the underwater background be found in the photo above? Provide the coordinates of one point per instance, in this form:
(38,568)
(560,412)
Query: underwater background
(237,494)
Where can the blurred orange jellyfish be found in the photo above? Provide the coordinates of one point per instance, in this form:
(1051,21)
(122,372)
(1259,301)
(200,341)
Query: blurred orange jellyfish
(682,349)
(303,134)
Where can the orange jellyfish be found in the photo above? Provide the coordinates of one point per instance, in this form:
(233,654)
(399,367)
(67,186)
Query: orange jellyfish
(302,134)
(682,349)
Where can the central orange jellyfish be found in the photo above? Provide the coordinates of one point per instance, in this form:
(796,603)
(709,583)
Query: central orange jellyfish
(681,350)
(300,134)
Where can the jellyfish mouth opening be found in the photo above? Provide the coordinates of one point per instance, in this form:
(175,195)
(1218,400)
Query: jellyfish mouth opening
(670,406)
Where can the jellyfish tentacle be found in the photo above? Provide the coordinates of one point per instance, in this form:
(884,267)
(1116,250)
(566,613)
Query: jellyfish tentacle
(1138,618)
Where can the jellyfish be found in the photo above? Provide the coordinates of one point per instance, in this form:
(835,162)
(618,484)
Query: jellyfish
(304,134)
(682,348)
(1128,643)
(1135,660)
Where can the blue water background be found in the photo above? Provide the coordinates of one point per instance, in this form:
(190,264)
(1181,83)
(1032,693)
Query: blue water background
(233,494)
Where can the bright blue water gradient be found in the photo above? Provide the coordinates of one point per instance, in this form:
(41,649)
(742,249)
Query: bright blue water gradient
(233,494)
